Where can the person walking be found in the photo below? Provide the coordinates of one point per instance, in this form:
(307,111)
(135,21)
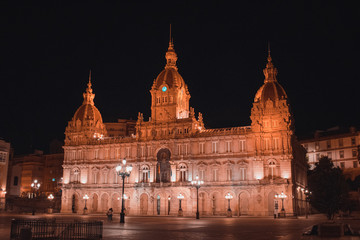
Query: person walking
(109,214)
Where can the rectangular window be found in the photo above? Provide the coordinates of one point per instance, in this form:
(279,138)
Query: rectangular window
(267,144)
(96,153)
(341,154)
(201,148)
(353,142)
(179,149)
(215,175)
(328,144)
(202,174)
(274,123)
(228,146)
(185,149)
(214,147)
(242,145)
(3,156)
(329,154)
(148,151)
(317,156)
(342,165)
(354,152)
(142,151)
(276,143)
(317,145)
(228,174)
(242,174)
(117,153)
(128,152)
(355,164)
(341,142)
(106,153)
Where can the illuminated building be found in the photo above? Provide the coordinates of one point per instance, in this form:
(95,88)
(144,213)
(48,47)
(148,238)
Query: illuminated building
(340,145)
(252,163)
(4,163)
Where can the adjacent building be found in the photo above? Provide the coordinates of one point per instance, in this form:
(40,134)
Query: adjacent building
(340,145)
(172,147)
(4,165)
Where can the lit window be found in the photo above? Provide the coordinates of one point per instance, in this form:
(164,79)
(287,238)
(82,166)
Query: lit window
(317,145)
(201,148)
(341,142)
(228,146)
(354,152)
(242,145)
(242,174)
(214,147)
(329,154)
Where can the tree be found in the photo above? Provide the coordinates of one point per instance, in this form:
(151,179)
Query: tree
(328,186)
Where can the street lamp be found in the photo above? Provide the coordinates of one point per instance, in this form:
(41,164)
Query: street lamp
(307,199)
(86,197)
(169,198)
(229,197)
(35,185)
(123,170)
(197,184)
(180,197)
(282,196)
(50,197)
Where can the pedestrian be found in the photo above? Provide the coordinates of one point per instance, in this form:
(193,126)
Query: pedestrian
(109,214)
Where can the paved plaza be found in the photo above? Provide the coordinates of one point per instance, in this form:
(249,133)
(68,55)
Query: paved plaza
(189,228)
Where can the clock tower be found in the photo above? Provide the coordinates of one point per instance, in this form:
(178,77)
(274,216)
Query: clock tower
(169,93)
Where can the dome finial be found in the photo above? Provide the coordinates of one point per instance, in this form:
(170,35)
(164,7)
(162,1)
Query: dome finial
(170,55)
(89,89)
(88,94)
(270,71)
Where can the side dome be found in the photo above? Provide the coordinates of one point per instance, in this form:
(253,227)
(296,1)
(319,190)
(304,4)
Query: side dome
(87,122)
(170,76)
(271,89)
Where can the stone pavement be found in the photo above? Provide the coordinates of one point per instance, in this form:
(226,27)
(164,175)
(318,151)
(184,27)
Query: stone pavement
(163,227)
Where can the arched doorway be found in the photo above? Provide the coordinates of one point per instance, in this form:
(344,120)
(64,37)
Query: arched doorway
(163,169)
(104,202)
(216,204)
(94,205)
(115,202)
(202,203)
(158,204)
(243,204)
(143,204)
(74,203)
(271,203)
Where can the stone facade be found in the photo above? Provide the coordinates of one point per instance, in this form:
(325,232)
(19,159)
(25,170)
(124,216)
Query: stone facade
(4,165)
(252,163)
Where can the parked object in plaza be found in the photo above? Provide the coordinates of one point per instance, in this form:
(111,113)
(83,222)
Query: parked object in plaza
(331,230)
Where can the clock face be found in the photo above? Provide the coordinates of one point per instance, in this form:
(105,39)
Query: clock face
(164,89)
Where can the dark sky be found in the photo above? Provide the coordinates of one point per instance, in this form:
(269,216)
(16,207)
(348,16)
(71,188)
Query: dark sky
(46,51)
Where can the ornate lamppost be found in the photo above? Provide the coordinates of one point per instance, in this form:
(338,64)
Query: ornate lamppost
(282,196)
(307,199)
(228,197)
(197,184)
(123,171)
(86,197)
(169,198)
(50,197)
(35,185)
(180,197)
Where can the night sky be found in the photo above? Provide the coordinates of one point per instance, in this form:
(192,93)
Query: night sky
(47,50)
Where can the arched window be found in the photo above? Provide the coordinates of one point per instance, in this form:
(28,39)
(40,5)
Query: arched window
(16,180)
(145,173)
(272,169)
(183,172)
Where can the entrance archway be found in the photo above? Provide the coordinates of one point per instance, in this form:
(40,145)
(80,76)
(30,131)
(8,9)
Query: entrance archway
(74,203)
(243,204)
(104,202)
(271,203)
(94,205)
(143,204)
(163,168)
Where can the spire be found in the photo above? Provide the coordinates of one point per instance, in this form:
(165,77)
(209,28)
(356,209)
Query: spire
(270,71)
(170,55)
(89,95)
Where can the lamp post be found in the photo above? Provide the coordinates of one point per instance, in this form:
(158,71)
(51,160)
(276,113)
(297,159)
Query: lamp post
(307,199)
(35,185)
(228,197)
(123,170)
(180,197)
(197,184)
(86,197)
(50,197)
(169,198)
(282,196)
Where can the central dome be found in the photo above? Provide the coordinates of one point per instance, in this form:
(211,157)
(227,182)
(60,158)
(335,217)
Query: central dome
(87,112)
(270,90)
(169,77)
